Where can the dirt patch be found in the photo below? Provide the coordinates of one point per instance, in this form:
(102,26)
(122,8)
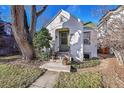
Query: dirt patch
(112,73)
(119,69)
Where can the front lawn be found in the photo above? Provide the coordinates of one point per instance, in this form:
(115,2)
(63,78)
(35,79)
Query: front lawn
(85,64)
(18,76)
(79,80)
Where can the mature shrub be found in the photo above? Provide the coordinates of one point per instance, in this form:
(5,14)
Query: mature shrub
(45,56)
(94,58)
(41,40)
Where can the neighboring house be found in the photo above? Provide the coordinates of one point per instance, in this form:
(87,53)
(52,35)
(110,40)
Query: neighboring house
(104,23)
(8,45)
(90,40)
(70,36)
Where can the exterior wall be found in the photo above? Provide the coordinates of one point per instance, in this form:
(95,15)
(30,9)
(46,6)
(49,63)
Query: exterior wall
(52,30)
(76,38)
(92,47)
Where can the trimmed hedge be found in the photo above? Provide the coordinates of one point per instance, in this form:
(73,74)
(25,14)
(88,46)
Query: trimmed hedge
(86,64)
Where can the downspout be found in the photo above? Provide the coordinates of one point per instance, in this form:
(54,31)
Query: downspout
(82,45)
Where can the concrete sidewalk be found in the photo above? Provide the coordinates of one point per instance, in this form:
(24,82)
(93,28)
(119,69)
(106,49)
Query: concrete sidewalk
(46,81)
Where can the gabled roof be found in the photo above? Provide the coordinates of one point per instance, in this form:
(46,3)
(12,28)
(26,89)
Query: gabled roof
(53,18)
(109,13)
(89,24)
(58,14)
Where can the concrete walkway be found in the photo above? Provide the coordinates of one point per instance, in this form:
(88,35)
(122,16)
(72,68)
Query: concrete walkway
(46,81)
(56,66)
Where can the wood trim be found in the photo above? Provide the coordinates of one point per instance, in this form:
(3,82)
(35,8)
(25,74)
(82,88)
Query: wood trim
(63,29)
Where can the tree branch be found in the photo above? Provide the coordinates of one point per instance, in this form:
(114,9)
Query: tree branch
(33,20)
(41,11)
(26,23)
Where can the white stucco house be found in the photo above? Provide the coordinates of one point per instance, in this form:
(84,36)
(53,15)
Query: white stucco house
(69,35)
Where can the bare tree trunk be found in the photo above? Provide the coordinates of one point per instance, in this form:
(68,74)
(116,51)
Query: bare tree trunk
(116,55)
(120,56)
(20,32)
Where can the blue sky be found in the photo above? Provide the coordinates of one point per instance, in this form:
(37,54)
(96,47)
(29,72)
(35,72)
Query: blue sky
(84,12)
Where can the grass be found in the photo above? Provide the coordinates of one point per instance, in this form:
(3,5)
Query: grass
(79,80)
(90,63)
(15,76)
(9,58)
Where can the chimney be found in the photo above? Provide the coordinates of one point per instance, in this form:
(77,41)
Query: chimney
(79,20)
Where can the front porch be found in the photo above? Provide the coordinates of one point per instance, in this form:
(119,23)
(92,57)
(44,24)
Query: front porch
(61,50)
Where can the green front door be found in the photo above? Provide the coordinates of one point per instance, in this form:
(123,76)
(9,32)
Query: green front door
(63,41)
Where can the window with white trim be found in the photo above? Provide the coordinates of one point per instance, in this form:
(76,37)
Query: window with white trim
(87,38)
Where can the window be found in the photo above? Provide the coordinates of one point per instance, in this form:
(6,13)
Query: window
(86,38)
(2,32)
(86,55)
(86,41)
(64,38)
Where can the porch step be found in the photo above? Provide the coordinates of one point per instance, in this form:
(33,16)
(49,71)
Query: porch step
(56,60)
(56,66)
(62,54)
